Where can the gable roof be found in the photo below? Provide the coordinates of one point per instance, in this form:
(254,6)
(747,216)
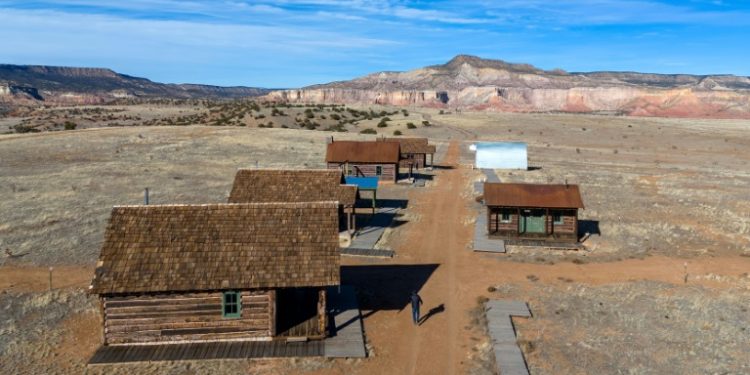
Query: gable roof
(363,152)
(179,248)
(302,185)
(532,195)
(412,145)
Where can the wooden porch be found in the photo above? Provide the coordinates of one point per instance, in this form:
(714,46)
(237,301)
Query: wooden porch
(206,350)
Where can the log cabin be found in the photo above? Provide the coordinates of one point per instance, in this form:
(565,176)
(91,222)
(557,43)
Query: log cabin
(414,151)
(217,272)
(300,185)
(365,158)
(532,211)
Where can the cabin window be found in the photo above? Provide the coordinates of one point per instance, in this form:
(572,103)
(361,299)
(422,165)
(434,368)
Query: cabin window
(230,305)
(378,170)
(557,218)
(505,216)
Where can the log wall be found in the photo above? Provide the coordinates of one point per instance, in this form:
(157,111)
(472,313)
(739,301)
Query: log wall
(390,171)
(186,317)
(568,230)
(419,160)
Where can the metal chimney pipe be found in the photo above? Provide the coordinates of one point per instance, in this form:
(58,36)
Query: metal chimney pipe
(145,196)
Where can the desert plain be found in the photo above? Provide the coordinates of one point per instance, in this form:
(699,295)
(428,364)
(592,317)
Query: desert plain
(663,285)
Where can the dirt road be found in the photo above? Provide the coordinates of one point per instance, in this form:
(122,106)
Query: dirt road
(443,343)
(434,258)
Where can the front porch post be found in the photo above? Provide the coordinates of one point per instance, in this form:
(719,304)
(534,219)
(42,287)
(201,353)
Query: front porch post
(349,222)
(489,221)
(518,228)
(322,316)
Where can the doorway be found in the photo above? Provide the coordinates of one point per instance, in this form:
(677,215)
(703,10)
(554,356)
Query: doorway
(532,221)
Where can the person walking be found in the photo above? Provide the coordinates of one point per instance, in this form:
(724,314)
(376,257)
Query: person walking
(416,300)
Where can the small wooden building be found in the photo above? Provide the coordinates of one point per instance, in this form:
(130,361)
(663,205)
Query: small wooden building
(414,151)
(532,211)
(365,158)
(300,185)
(217,272)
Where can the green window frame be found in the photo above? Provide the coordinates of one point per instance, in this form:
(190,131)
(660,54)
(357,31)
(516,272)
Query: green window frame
(505,216)
(378,170)
(231,305)
(557,218)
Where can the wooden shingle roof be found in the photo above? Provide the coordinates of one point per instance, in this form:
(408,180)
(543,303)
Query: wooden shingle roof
(363,152)
(532,195)
(176,248)
(302,185)
(412,145)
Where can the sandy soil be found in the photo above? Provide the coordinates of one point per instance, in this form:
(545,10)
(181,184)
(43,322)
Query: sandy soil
(444,343)
(82,173)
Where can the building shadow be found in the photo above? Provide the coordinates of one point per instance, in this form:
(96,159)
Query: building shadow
(433,311)
(423,176)
(588,226)
(393,203)
(386,287)
(533,168)
(297,312)
(443,167)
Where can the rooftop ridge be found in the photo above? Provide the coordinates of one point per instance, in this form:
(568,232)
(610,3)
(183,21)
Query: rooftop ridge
(282,204)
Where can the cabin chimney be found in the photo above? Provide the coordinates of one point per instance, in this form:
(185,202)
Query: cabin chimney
(145,196)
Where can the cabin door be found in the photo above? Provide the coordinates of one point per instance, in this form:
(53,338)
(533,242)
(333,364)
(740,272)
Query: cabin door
(531,221)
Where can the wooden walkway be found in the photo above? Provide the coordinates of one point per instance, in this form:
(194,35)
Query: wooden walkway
(482,242)
(549,244)
(508,355)
(378,253)
(347,339)
(367,236)
(491,175)
(205,350)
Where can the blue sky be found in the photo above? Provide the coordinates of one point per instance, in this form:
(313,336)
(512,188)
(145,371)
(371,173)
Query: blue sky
(291,43)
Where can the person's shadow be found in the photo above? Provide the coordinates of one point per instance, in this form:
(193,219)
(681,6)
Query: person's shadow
(433,311)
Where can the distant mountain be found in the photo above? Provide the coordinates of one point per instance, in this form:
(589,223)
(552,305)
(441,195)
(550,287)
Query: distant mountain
(470,82)
(87,85)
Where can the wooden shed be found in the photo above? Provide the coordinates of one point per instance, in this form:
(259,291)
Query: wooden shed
(365,158)
(532,211)
(198,273)
(414,151)
(297,185)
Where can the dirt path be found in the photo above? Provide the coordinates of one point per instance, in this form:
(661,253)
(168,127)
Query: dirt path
(36,279)
(442,345)
(440,238)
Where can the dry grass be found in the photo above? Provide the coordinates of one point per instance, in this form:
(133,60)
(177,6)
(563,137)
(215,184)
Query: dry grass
(675,186)
(645,327)
(59,187)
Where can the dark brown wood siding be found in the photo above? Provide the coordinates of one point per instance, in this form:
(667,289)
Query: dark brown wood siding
(569,225)
(390,171)
(496,224)
(419,160)
(186,317)
(565,231)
